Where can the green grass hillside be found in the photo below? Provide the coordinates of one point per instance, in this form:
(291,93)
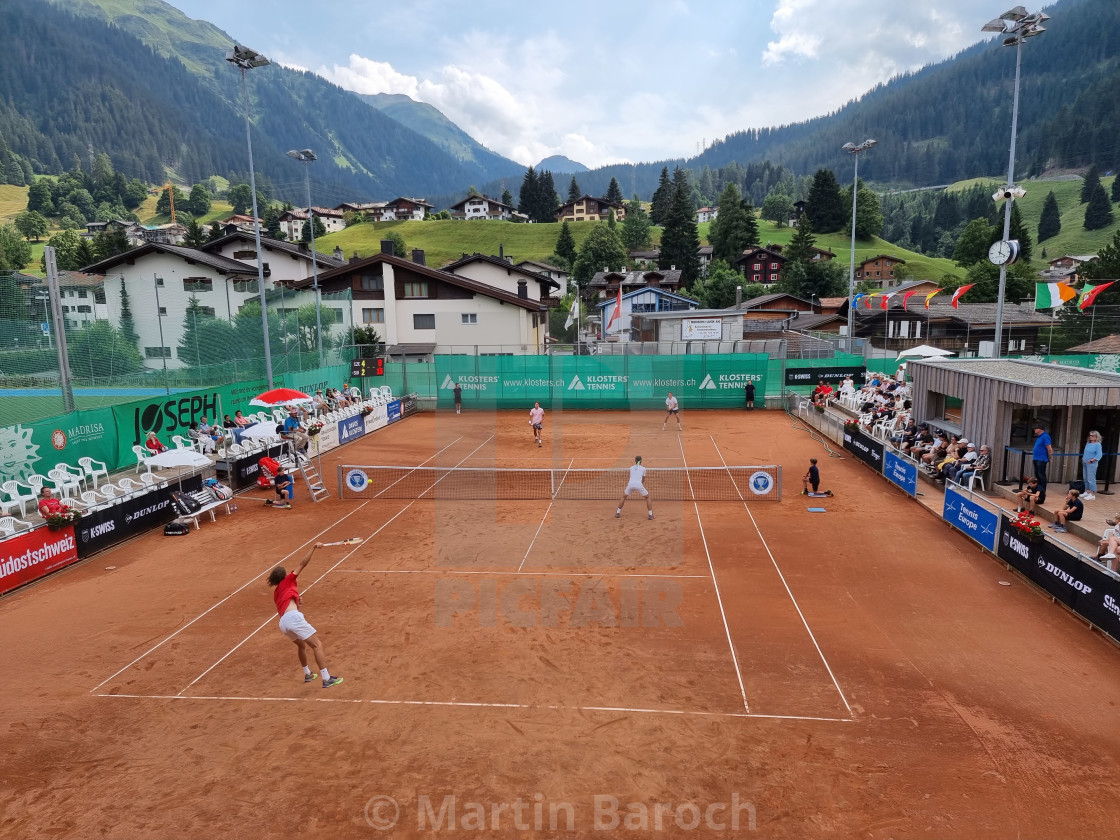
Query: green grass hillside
(13,201)
(1073,238)
(444,241)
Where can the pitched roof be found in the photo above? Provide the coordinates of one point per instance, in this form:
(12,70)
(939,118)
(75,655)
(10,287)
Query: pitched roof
(974,314)
(433,273)
(269,244)
(217,262)
(1107,344)
(588,197)
(477,197)
(667,276)
(764,299)
(659,292)
(467,259)
(544,265)
(882,257)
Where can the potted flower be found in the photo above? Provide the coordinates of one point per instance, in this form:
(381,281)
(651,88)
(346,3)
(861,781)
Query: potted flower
(851,424)
(819,407)
(314,427)
(366,411)
(1026,524)
(62,517)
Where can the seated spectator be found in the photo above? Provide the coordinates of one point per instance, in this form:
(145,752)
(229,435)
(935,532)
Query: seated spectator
(965,455)
(1031,495)
(1108,544)
(319,403)
(294,432)
(343,398)
(1073,510)
(201,438)
(979,466)
(241,420)
(48,504)
(231,428)
(204,426)
(954,454)
(153,445)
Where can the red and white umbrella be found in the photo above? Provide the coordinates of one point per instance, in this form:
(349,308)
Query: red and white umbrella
(280,396)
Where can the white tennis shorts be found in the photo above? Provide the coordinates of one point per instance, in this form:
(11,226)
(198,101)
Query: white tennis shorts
(636,488)
(295,626)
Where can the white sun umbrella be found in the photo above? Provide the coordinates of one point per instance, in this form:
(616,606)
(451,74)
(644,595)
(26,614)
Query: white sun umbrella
(924,351)
(260,431)
(181,458)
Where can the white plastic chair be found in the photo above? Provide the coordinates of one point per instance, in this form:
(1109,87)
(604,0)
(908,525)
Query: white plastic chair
(10,525)
(142,456)
(182,442)
(76,473)
(149,480)
(15,497)
(387,393)
(35,482)
(110,492)
(130,487)
(93,469)
(90,500)
(64,482)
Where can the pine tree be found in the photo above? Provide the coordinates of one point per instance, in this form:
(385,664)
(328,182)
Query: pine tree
(662,198)
(566,244)
(127,325)
(1116,189)
(189,342)
(527,201)
(507,198)
(636,233)
(680,239)
(195,236)
(1098,212)
(547,200)
(1092,180)
(800,248)
(1050,222)
(573,190)
(614,193)
(825,206)
(734,229)
(1019,231)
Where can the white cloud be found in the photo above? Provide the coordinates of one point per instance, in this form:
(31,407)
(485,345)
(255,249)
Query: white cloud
(364,75)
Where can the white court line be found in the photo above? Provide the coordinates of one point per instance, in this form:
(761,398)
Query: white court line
(250,582)
(515,574)
(789,592)
(545,517)
(715,584)
(470,705)
(344,558)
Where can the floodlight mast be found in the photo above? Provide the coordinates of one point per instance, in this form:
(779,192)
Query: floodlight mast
(307,156)
(854,151)
(244,58)
(1018,25)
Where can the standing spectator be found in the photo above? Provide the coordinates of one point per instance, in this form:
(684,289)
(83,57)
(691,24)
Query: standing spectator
(748,392)
(1090,458)
(1043,452)
(1071,512)
(458,392)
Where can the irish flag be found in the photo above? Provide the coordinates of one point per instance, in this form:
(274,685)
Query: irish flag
(1050,295)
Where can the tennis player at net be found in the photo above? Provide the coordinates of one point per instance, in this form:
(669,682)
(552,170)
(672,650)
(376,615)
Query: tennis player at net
(634,485)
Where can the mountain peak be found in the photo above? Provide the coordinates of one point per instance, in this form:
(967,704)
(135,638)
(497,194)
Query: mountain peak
(559,163)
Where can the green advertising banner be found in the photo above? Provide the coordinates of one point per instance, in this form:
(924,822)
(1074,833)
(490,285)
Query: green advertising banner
(36,448)
(606,382)
(173,415)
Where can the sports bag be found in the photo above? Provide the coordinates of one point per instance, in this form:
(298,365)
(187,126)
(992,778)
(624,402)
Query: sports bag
(176,528)
(184,503)
(220,492)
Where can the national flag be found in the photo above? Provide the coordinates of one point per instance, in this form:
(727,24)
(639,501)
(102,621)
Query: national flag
(617,308)
(959,293)
(573,316)
(1089,294)
(1050,295)
(856,300)
(870,297)
(930,296)
(887,300)
(906,297)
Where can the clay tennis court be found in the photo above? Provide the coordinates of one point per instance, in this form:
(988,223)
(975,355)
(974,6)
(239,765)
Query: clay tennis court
(853,673)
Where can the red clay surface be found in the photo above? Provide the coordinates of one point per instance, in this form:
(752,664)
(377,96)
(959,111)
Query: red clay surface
(856,673)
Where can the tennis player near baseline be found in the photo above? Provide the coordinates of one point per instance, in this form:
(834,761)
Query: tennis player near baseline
(536,420)
(294,625)
(672,410)
(634,485)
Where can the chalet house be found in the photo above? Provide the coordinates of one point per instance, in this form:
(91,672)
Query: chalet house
(822,254)
(501,273)
(640,301)
(960,330)
(549,271)
(589,209)
(706,214)
(1069,261)
(798,212)
(704,254)
(292,222)
(403,209)
(606,283)
(419,311)
(484,207)
(170,234)
(132,231)
(878,269)
(363,207)
(82,296)
(761,265)
(284,262)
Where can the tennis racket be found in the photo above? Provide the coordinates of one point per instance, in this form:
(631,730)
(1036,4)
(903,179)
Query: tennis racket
(347,541)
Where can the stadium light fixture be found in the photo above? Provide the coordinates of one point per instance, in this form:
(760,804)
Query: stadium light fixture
(1017,25)
(244,59)
(307,156)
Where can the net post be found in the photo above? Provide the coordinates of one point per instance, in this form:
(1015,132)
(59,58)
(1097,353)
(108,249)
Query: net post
(339,469)
(779,482)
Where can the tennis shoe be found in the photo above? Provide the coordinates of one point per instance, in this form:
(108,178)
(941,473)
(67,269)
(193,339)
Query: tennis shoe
(1088,496)
(331,681)
(1108,556)
(651,516)
(310,677)
(288,506)
(1058,529)
(268,502)
(618,514)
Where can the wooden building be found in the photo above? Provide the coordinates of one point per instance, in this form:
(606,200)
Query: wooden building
(998,401)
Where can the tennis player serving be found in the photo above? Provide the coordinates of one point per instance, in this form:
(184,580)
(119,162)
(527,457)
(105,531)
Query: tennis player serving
(294,625)
(634,485)
(536,420)
(672,410)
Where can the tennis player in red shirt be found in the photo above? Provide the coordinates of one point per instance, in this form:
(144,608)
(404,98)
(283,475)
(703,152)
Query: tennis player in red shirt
(294,625)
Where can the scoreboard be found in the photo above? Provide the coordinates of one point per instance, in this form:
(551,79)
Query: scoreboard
(367,367)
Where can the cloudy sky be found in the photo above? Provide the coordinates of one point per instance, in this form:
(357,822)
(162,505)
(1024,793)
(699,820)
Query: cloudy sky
(604,82)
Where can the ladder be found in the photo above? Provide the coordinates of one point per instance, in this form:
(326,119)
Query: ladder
(310,475)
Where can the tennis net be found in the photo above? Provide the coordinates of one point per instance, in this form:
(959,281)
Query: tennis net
(691,484)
